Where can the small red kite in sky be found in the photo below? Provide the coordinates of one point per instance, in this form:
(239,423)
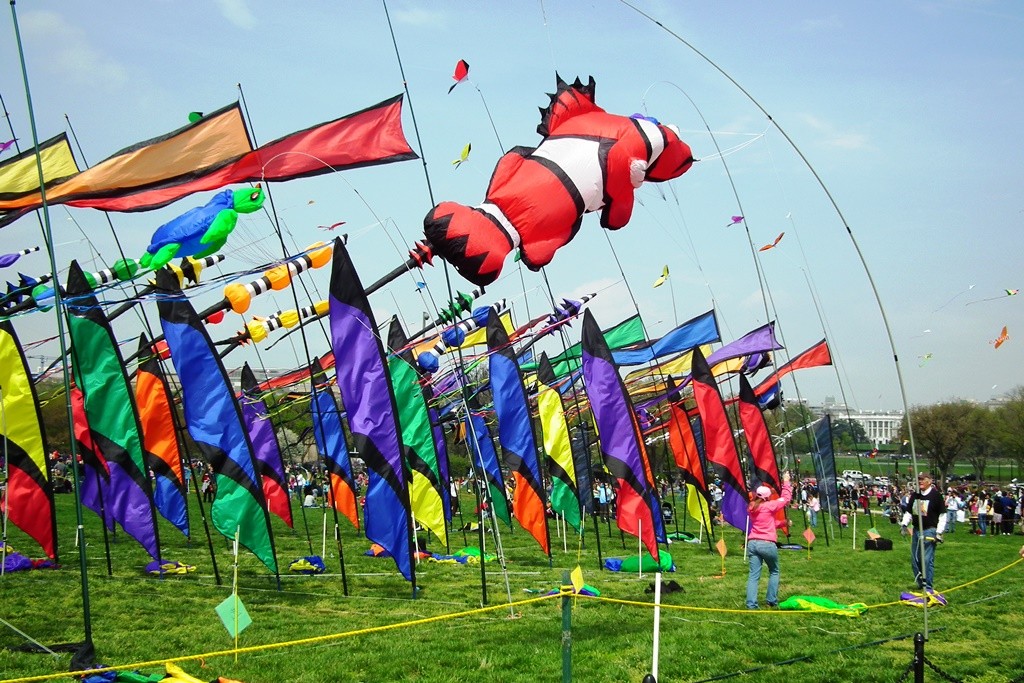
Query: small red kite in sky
(735,220)
(4,146)
(332,226)
(461,73)
(773,244)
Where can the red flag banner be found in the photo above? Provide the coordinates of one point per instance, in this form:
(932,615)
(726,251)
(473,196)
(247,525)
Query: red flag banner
(813,357)
(216,151)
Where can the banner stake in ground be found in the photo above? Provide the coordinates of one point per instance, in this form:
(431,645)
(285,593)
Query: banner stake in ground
(809,537)
(232,612)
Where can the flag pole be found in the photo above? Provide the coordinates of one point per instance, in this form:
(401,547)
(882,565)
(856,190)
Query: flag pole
(657,623)
(199,502)
(234,590)
(478,486)
(48,237)
(323,535)
(640,548)
(5,513)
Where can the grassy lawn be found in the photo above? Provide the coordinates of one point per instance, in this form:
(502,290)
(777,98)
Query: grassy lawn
(705,631)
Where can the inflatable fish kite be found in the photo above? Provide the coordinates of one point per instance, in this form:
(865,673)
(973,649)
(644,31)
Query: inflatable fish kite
(588,160)
(203,230)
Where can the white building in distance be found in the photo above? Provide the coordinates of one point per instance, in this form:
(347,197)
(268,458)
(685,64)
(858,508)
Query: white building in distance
(880,427)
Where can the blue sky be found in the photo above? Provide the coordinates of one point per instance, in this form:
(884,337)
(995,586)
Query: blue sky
(906,110)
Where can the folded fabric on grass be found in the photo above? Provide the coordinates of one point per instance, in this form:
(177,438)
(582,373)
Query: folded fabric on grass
(645,563)
(813,603)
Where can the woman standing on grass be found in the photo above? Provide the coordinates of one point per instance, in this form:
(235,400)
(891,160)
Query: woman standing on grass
(972,513)
(984,508)
(761,545)
(997,514)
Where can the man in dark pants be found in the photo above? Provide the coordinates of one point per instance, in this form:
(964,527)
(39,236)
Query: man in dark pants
(926,510)
(1009,514)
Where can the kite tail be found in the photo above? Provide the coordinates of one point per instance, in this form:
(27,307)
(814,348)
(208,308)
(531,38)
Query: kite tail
(469,239)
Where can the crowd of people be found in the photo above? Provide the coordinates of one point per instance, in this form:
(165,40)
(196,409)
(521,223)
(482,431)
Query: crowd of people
(922,510)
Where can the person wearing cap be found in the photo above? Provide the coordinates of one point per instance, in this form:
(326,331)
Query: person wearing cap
(926,512)
(761,545)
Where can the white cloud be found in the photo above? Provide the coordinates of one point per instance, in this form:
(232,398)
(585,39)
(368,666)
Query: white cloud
(238,13)
(419,17)
(69,53)
(822,24)
(832,137)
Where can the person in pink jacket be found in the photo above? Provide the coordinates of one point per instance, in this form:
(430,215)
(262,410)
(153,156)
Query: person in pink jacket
(761,545)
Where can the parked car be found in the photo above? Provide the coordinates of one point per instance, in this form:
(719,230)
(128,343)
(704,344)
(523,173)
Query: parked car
(882,481)
(853,475)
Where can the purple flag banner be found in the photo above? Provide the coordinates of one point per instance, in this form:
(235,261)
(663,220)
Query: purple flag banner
(366,392)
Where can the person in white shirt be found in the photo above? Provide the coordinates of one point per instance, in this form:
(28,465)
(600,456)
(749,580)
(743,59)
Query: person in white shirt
(952,505)
(926,512)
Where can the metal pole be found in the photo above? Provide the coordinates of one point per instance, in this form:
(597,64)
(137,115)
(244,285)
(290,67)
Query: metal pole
(58,310)
(566,629)
(657,624)
(918,658)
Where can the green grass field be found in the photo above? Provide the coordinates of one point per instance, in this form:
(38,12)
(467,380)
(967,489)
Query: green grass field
(705,630)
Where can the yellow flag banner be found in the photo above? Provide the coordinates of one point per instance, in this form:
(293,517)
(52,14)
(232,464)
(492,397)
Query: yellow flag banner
(19,175)
(697,506)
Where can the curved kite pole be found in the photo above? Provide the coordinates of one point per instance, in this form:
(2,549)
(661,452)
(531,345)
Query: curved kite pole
(842,218)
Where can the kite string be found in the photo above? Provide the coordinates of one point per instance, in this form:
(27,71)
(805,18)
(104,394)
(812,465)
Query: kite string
(768,300)
(448,283)
(846,226)
(816,300)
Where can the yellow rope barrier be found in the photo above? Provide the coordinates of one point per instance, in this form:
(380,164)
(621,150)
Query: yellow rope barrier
(983,578)
(284,644)
(458,615)
(844,612)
